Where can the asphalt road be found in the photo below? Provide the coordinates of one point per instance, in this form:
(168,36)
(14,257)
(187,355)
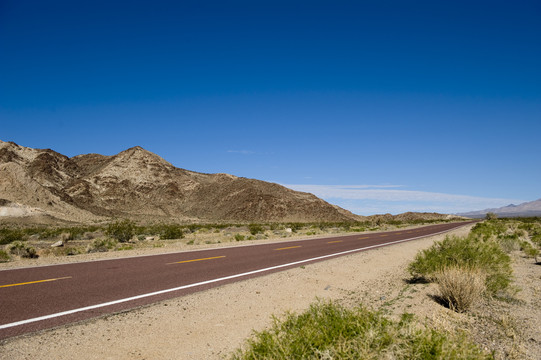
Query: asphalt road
(38,298)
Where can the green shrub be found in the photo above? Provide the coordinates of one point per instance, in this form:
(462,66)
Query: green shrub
(122,231)
(529,250)
(536,239)
(487,229)
(255,229)
(8,236)
(102,245)
(466,252)
(4,256)
(171,232)
(509,243)
(239,237)
(329,331)
(23,250)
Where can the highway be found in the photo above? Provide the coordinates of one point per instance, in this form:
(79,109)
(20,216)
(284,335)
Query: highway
(37,298)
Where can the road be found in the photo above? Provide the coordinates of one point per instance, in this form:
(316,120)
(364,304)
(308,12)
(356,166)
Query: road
(37,298)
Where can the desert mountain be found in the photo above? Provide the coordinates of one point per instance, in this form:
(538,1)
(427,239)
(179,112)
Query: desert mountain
(140,185)
(530,208)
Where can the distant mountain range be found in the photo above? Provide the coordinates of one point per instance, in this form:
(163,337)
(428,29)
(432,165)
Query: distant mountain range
(531,208)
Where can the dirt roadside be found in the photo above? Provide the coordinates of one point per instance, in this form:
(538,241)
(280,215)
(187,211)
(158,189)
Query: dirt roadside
(210,324)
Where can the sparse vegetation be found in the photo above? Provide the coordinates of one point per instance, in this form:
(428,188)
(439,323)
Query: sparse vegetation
(23,250)
(491,216)
(256,229)
(331,331)
(4,256)
(84,237)
(122,231)
(102,245)
(165,231)
(466,253)
(8,235)
(239,237)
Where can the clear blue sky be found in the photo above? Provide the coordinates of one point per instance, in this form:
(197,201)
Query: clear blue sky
(377,106)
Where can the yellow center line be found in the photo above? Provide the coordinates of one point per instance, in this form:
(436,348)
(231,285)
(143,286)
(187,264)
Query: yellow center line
(187,261)
(35,282)
(383,235)
(362,238)
(291,247)
(336,241)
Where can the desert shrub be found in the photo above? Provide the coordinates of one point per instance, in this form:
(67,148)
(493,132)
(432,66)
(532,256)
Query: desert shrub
(487,229)
(172,232)
(239,237)
(530,250)
(8,235)
(295,226)
(255,229)
(23,250)
(194,227)
(167,231)
(509,243)
(102,245)
(329,331)
(70,251)
(4,256)
(465,252)
(536,239)
(121,230)
(460,287)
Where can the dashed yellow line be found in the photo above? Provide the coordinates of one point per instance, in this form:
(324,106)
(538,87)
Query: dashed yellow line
(383,235)
(332,242)
(290,247)
(193,260)
(35,282)
(362,238)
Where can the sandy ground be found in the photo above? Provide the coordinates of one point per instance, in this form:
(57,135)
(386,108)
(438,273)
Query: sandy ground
(212,323)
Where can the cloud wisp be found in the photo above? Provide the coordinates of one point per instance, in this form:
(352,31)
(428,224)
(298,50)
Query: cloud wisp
(370,199)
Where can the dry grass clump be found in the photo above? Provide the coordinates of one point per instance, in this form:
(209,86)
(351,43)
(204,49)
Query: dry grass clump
(460,287)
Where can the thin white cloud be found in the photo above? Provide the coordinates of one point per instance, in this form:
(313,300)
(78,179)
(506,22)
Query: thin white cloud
(390,198)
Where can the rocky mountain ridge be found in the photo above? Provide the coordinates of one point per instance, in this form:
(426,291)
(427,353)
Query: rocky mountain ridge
(140,185)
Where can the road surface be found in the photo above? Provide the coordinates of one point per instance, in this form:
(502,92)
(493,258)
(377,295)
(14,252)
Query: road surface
(43,297)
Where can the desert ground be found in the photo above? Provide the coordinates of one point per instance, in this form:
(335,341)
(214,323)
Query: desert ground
(213,323)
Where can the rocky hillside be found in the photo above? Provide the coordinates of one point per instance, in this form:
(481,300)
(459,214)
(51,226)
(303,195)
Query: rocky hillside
(141,185)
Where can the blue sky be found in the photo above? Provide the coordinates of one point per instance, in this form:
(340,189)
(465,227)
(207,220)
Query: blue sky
(376,106)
